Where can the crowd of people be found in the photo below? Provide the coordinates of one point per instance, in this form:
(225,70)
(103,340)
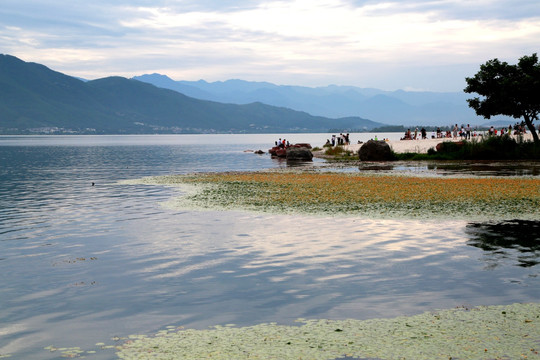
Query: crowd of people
(282,143)
(341,139)
(414,136)
(465,132)
(518,129)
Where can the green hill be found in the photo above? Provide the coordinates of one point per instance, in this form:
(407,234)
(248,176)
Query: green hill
(36,99)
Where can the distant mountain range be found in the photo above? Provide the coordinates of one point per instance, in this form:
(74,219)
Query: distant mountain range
(400,107)
(36,99)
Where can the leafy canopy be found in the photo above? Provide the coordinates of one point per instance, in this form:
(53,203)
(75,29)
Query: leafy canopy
(512,90)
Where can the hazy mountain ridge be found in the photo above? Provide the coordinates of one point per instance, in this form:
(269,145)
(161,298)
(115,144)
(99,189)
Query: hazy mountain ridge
(34,99)
(389,107)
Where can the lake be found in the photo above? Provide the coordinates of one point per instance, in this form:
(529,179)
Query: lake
(84,260)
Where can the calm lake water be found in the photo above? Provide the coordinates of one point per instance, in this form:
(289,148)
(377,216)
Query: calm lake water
(81,264)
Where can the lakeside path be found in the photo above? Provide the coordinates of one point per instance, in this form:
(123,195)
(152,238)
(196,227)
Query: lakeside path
(417,146)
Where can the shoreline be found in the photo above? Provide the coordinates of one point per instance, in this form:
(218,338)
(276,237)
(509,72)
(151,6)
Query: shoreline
(421,146)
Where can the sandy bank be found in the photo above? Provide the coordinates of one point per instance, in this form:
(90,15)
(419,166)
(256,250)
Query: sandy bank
(416,146)
(404,146)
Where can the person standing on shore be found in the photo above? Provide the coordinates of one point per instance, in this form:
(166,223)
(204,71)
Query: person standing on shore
(468,131)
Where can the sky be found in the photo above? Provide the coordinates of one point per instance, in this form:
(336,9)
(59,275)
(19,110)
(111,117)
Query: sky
(415,45)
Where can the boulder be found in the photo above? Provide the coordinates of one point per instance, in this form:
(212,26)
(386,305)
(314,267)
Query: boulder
(449,146)
(306,145)
(278,151)
(299,153)
(374,150)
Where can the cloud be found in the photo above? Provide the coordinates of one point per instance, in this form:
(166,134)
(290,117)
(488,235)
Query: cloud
(458,9)
(305,42)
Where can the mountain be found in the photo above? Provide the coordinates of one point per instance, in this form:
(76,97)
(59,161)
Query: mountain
(400,107)
(34,98)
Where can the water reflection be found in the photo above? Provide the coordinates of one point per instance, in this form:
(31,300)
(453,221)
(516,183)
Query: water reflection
(446,168)
(517,241)
(487,168)
(372,166)
(283,162)
(81,264)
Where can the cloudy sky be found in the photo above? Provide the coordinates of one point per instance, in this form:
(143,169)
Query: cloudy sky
(395,44)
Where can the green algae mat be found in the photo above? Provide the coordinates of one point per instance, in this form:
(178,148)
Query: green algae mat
(488,332)
(493,332)
(376,196)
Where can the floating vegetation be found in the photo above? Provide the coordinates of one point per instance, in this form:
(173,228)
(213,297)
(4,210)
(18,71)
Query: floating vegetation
(67,352)
(492,332)
(77,352)
(360,194)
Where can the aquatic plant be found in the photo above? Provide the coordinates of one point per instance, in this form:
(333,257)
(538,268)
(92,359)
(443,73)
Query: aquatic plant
(359,194)
(492,332)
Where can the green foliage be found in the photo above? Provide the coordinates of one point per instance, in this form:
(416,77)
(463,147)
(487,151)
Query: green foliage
(489,148)
(501,148)
(511,90)
(336,150)
(340,154)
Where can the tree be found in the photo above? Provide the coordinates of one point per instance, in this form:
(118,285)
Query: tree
(512,90)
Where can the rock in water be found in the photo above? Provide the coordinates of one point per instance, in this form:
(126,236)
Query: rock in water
(299,153)
(375,150)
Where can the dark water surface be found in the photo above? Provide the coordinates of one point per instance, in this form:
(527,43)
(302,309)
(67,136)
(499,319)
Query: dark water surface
(81,264)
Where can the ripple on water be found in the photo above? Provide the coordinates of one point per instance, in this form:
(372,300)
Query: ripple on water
(157,266)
